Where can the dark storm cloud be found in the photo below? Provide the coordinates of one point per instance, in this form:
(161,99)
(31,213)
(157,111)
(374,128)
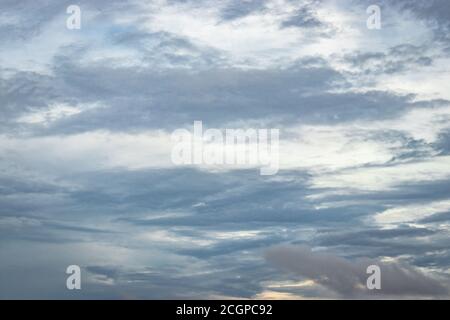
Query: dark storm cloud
(349,277)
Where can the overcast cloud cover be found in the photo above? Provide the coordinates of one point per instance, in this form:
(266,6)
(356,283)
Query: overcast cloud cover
(86,176)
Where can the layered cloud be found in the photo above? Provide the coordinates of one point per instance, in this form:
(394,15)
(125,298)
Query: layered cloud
(86,176)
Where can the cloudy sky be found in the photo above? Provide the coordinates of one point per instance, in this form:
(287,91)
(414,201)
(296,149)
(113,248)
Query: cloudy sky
(86,176)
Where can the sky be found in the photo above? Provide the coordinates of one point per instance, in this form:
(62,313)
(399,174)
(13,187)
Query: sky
(86,177)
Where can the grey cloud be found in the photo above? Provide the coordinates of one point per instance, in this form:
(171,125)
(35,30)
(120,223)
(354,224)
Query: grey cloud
(20,93)
(438,217)
(303,18)
(162,49)
(360,237)
(147,99)
(396,59)
(237,9)
(30,17)
(436,13)
(346,277)
(405,193)
(372,242)
(443,143)
(435,259)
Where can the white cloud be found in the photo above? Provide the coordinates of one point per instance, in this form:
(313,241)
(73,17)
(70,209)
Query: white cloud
(94,150)
(411,213)
(52,113)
